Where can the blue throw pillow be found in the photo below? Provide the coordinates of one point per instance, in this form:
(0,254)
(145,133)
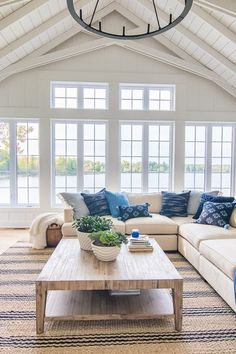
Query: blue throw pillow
(217,214)
(96,203)
(174,204)
(114,200)
(206,197)
(133,211)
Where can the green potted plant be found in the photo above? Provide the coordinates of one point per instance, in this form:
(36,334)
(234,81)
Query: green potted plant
(87,224)
(106,244)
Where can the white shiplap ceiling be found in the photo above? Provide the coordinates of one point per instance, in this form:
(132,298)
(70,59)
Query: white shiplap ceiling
(204,43)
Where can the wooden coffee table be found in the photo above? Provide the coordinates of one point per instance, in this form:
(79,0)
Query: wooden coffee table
(73,286)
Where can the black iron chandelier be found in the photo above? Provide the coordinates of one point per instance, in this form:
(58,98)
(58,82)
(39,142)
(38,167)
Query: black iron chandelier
(151,31)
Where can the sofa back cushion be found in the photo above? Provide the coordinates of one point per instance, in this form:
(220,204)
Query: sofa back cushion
(153,199)
(195,199)
(232,220)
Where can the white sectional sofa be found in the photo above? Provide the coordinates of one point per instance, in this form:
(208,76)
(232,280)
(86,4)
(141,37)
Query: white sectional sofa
(210,249)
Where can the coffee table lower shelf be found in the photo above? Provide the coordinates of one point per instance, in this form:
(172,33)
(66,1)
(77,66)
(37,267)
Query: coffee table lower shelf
(99,305)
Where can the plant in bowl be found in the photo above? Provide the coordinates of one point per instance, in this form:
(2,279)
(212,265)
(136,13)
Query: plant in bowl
(106,244)
(87,224)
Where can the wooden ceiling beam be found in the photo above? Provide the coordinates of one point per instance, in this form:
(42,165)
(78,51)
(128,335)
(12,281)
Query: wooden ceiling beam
(21,12)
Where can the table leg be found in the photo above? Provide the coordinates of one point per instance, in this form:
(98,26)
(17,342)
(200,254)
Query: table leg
(178,304)
(41,297)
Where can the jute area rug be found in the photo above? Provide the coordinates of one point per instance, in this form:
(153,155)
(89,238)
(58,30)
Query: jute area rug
(209,325)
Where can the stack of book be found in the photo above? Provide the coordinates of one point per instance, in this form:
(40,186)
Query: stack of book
(140,244)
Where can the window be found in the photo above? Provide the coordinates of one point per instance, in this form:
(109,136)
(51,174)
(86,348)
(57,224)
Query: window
(65,97)
(79,95)
(132,99)
(94,156)
(4,163)
(159,156)
(94,98)
(79,157)
(221,158)
(19,163)
(195,157)
(147,97)
(131,157)
(209,159)
(160,99)
(146,156)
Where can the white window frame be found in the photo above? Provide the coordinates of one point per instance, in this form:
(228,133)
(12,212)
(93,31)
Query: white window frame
(80,86)
(208,149)
(13,163)
(80,154)
(145,152)
(146,88)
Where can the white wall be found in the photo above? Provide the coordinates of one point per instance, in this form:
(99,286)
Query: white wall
(27,95)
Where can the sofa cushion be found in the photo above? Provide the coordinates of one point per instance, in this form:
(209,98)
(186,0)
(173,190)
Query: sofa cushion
(76,202)
(133,211)
(96,203)
(222,253)
(179,220)
(157,224)
(153,199)
(210,197)
(215,214)
(118,225)
(115,199)
(195,233)
(174,204)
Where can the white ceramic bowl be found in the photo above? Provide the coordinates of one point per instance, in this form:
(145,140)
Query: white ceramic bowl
(105,254)
(84,241)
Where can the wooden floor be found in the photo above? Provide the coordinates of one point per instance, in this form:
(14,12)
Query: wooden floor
(10,236)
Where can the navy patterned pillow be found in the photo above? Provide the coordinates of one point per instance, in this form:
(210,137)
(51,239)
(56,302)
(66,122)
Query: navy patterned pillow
(174,204)
(133,211)
(208,197)
(97,203)
(217,214)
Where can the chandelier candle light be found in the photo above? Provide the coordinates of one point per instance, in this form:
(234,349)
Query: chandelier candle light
(158,29)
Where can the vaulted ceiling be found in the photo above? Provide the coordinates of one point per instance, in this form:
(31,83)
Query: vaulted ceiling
(204,43)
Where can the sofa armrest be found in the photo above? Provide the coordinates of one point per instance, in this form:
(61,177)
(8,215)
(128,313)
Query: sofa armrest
(68,214)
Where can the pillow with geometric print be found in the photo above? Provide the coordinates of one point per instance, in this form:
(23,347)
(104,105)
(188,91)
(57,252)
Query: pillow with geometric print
(217,214)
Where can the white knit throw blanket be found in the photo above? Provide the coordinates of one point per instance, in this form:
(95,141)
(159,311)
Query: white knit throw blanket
(39,227)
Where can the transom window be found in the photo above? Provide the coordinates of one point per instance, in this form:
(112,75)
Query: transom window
(147,97)
(19,163)
(79,157)
(79,95)
(94,98)
(132,99)
(146,156)
(209,157)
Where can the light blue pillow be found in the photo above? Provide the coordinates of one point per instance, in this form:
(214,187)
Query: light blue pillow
(75,201)
(115,200)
